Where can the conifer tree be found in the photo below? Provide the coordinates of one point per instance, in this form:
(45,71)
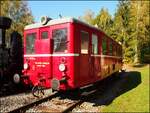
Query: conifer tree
(104,21)
(140,28)
(121,30)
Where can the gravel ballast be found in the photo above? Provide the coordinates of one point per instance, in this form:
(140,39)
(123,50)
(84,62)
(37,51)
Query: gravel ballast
(14,101)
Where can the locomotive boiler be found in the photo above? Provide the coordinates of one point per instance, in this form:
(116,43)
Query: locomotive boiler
(11,59)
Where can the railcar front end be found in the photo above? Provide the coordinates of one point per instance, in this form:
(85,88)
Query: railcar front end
(49,55)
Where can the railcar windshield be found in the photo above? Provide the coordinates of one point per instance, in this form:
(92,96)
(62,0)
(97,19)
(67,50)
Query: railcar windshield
(60,40)
(30,43)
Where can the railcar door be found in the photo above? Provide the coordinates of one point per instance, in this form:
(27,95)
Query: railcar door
(43,52)
(95,59)
(84,58)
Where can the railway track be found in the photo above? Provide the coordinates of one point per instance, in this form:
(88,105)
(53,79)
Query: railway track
(23,108)
(83,98)
(65,102)
(56,102)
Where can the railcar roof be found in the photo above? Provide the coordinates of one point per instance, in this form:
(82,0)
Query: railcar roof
(61,21)
(58,21)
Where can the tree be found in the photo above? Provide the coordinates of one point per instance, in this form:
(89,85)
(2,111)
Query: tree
(104,21)
(130,26)
(19,13)
(140,28)
(121,30)
(88,16)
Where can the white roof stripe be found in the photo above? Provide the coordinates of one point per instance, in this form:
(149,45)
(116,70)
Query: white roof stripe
(50,22)
(58,21)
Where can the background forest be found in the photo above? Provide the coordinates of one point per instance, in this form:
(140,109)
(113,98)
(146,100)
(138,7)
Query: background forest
(130,25)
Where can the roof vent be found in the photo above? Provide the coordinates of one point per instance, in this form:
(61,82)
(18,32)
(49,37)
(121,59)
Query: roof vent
(45,19)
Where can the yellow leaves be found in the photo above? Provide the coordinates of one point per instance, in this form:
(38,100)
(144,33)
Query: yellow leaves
(19,13)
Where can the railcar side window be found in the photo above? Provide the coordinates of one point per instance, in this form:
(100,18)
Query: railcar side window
(94,44)
(0,36)
(44,35)
(114,49)
(30,40)
(104,46)
(60,40)
(84,42)
(117,54)
(120,51)
(110,48)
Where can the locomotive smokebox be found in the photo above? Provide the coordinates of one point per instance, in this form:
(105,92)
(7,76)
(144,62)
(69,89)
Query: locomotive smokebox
(45,19)
(5,23)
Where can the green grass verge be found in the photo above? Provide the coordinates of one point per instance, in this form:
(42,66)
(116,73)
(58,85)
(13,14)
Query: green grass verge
(134,100)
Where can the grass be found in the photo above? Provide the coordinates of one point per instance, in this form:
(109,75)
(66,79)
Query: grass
(135,93)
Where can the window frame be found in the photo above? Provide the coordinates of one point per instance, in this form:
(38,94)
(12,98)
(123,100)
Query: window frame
(93,47)
(66,50)
(29,45)
(81,50)
(104,38)
(110,47)
(1,34)
(42,35)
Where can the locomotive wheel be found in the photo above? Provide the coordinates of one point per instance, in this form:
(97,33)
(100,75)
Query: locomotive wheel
(38,91)
(16,78)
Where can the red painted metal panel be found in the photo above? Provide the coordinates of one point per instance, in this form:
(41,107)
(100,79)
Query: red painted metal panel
(81,69)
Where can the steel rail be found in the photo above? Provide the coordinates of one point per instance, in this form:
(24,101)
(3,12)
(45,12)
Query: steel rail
(27,106)
(84,97)
(70,108)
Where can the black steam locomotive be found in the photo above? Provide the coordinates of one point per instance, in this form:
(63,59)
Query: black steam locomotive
(11,58)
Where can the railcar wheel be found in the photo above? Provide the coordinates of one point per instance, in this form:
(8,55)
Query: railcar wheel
(38,91)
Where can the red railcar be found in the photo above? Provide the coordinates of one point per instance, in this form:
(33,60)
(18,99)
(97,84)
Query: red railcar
(67,53)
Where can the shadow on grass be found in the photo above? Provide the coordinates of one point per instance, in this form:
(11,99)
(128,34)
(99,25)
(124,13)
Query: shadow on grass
(109,88)
(116,86)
